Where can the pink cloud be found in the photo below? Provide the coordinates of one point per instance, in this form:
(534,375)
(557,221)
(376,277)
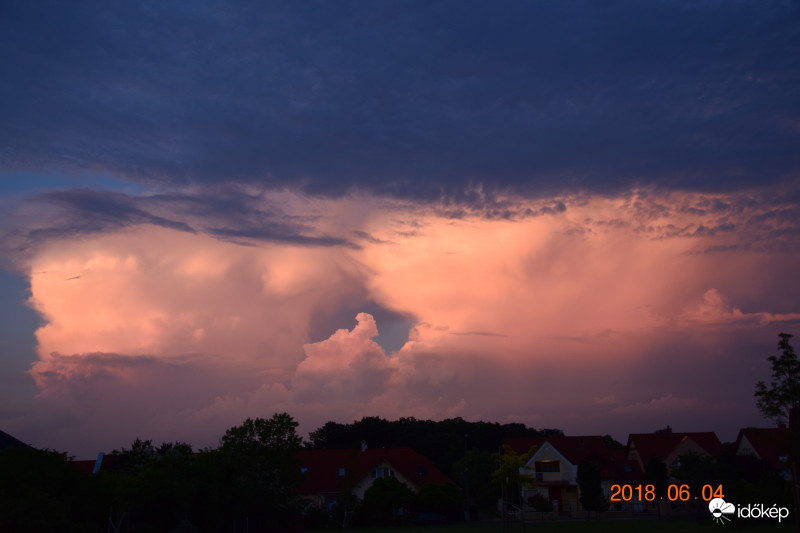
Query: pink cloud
(347,367)
(537,315)
(713,310)
(166,293)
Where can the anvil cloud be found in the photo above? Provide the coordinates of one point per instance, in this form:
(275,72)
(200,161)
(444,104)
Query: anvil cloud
(632,303)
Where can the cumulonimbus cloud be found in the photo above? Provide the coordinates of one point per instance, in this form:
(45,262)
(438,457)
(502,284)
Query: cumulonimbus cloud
(568,305)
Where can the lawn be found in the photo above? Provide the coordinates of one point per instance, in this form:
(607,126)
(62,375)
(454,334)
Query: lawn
(615,526)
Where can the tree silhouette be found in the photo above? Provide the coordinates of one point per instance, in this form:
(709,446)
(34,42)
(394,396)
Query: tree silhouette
(783,392)
(386,500)
(589,484)
(655,473)
(445,498)
(40,490)
(260,475)
(510,473)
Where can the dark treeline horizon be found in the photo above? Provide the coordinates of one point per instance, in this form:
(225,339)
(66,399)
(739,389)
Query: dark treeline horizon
(252,480)
(443,442)
(161,486)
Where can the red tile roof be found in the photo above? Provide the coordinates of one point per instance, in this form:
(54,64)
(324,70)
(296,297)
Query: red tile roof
(321,474)
(84,465)
(615,466)
(661,443)
(574,448)
(520,445)
(769,443)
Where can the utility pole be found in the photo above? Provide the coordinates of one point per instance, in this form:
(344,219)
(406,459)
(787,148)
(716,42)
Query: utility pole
(794,456)
(466,480)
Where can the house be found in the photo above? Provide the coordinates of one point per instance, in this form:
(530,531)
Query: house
(668,446)
(555,464)
(327,474)
(770,445)
(7,441)
(84,465)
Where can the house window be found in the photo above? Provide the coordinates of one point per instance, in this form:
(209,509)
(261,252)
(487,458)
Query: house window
(547,466)
(342,471)
(303,469)
(382,472)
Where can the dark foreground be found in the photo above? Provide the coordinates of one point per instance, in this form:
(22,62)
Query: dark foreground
(615,526)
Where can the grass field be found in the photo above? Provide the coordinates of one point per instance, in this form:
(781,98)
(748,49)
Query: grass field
(615,526)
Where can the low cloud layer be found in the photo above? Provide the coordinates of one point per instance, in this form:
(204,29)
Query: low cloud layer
(602,314)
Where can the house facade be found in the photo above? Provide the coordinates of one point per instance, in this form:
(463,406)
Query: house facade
(668,446)
(770,445)
(554,467)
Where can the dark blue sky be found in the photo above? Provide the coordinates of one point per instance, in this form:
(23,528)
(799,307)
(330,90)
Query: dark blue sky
(417,99)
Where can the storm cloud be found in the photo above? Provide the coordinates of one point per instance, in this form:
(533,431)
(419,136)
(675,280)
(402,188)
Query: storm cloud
(415,99)
(570,214)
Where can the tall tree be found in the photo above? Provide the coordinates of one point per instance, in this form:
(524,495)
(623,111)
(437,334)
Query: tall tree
(591,490)
(783,392)
(655,473)
(445,498)
(480,465)
(259,459)
(386,501)
(510,474)
(40,490)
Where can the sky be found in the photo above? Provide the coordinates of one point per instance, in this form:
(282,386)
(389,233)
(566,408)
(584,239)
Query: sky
(579,214)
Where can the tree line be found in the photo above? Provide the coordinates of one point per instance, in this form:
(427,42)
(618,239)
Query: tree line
(250,481)
(247,483)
